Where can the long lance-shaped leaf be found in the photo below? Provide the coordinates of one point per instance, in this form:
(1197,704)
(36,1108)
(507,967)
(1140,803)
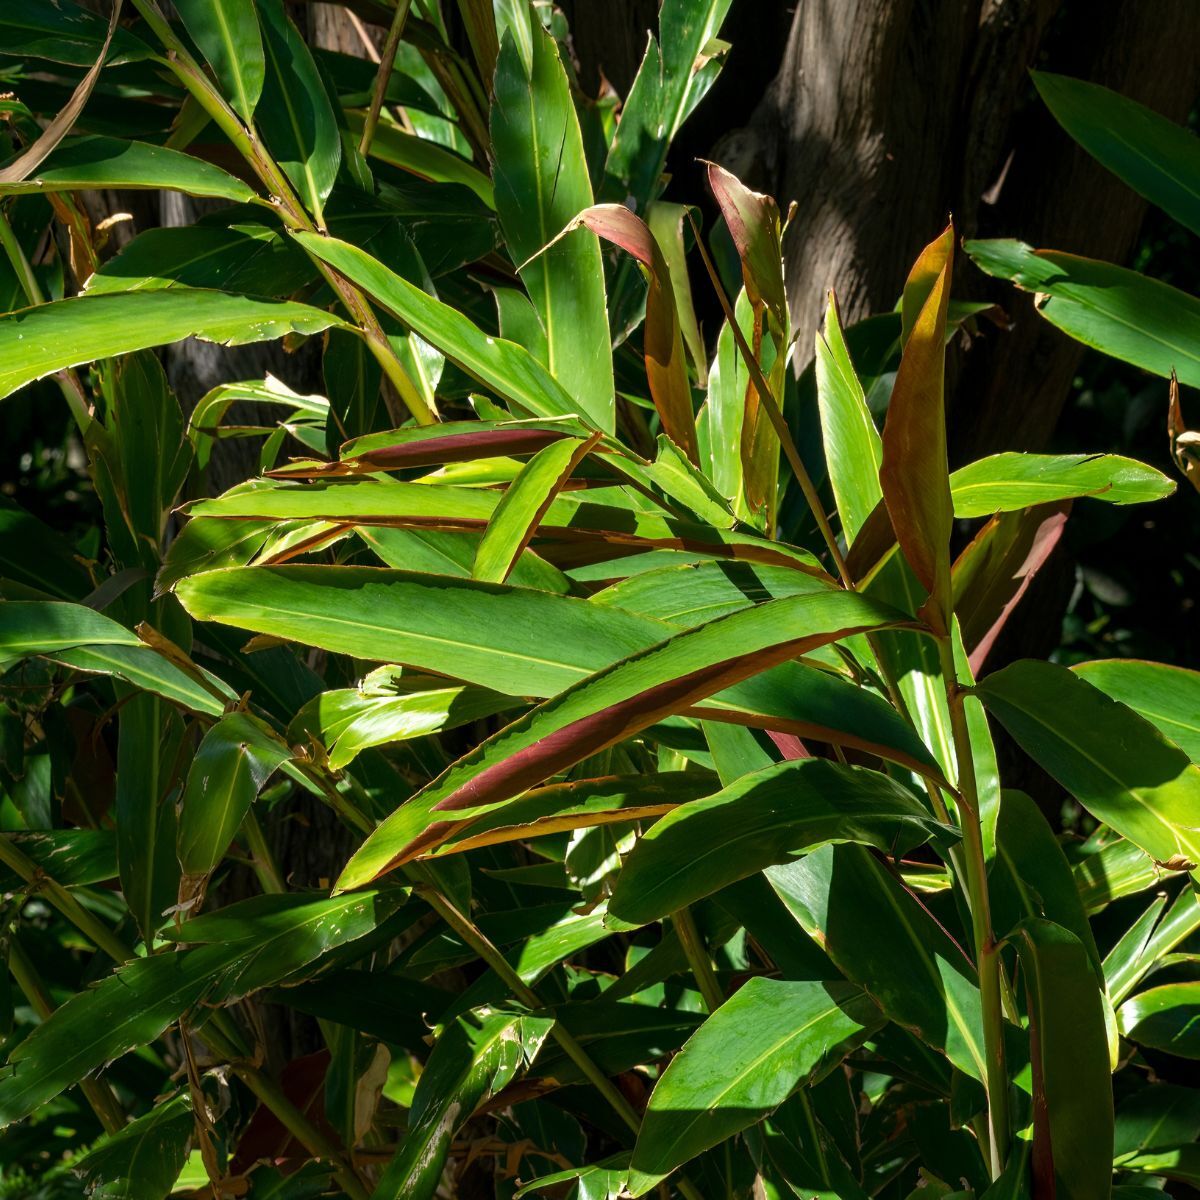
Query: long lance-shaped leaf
(232,763)
(754,225)
(883,939)
(581,804)
(261,942)
(1005,482)
(853,449)
(504,366)
(1157,158)
(296,117)
(763,819)
(1164,1018)
(541,180)
(408,504)
(227,33)
(768,1039)
(676,72)
(147,669)
(1168,697)
(610,706)
(666,367)
(1112,309)
(914,474)
(143,1160)
(27,161)
(525,503)
(452,441)
(106,162)
(521,642)
(37,341)
(44,627)
(474,1058)
(1072,1091)
(1114,762)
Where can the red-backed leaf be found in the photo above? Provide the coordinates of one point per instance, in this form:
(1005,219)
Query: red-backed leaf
(609,706)
(666,368)
(789,745)
(992,574)
(753,221)
(266,1139)
(915,476)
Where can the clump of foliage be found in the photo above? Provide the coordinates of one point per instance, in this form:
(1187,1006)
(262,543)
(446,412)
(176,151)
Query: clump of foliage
(641,682)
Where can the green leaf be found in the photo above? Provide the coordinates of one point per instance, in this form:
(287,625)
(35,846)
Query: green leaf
(425,159)
(1165,1018)
(1117,311)
(1166,696)
(250,258)
(82,163)
(295,116)
(604,1180)
(541,183)
(668,223)
(64,33)
(580,804)
(254,944)
(147,743)
(1173,1162)
(474,1058)
(386,710)
(233,762)
(227,33)
(1147,942)
(34,555)
(914,472)
(142,1160)
(666,368)
(512,371)
(125,1010)
(45,627)
(524,504)
(1157,158)
(853,449)
(1115,763)
(145,668)
(1030,876)
(881,937)
(604,709)
(764,818)
(769,1038)
(676,73)
(37,341)
(1072,1090)
(1005,482)
(71,857)
(520,642)
(1162,1115)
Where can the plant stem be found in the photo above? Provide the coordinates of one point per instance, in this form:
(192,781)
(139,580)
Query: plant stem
(270,877)
(478,941)
(698,958)
(987,954)
(90,926)
(273,1097)
(96,1092)
(66,380)
(247,143)
(387,61)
